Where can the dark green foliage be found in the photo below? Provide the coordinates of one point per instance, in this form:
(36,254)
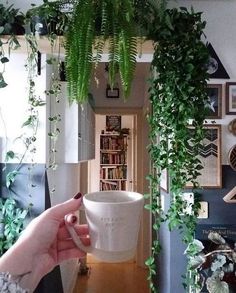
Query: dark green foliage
(11,21)
(49,14)
(178,96)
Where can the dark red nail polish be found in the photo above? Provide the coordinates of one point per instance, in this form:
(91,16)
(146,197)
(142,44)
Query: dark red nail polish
(78,195)
(73,219)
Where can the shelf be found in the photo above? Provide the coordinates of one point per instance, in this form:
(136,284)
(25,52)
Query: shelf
(113,162)
(110,165)
(112,151)
(45,47)
(105,179)
(113,134)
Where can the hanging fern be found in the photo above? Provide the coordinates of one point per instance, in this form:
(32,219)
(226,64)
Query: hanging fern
(93,23)
(79,44)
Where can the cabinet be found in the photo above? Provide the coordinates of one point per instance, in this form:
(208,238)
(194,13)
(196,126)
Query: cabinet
(76,141)
(113,161)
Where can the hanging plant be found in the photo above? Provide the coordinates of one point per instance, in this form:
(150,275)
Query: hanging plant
(92,24)
(11,23)
(178,96)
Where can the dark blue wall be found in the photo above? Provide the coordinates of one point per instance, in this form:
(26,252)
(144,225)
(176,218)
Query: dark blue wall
(37,194)
(172,260)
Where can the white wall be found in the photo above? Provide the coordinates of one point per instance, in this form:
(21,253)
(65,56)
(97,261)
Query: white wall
(14,109)
(137,91)
(24,5)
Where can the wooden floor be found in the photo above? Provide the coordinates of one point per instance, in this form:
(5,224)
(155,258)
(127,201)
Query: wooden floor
(112,278)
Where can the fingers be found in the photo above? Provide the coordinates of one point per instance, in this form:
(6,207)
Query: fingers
(59,211)
(80,230)
(69,244)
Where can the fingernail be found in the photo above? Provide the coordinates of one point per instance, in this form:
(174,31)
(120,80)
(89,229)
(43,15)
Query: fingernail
(73,219)
(78,195)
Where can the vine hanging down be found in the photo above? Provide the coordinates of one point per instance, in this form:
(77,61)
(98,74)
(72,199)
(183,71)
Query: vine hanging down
(178,96)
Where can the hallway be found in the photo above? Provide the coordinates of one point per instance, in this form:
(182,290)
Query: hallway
(115,278)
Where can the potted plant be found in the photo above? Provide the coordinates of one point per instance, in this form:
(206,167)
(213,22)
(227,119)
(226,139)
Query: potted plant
(47,18)
(92,24)
(12,21)
(11,24)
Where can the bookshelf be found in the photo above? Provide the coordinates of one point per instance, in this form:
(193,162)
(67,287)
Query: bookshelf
(113,161)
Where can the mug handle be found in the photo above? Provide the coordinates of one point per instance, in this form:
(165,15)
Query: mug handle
(76,238)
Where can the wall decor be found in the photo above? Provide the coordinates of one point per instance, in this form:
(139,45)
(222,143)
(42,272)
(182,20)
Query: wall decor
(214,92)
(232,157)
(232,127)
(217,244)
(230,98)
(230,197)
(112,93)
(210,156)
(113,123)
(215,66)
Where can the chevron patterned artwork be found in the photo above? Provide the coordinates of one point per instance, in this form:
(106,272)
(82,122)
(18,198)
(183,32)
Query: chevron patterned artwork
(210,156)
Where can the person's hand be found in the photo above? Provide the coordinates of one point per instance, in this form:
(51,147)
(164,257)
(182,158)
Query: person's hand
(44,243)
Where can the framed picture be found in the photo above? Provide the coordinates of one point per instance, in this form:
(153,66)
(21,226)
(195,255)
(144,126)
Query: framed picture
(231,98)
(113,123)
(164,183)
(214,92)
(210,156)
(215,68)
(112,93)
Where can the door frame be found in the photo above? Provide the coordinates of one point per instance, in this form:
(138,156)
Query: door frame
(141,169)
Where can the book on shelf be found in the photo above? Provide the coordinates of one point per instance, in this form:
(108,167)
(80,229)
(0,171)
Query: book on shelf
(228,232)
(113,161)
(112,185)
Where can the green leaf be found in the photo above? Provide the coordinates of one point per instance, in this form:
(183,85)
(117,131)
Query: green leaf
(2,82)
(10,178)
(9,155)
(150,261)
(27,122)
(4,60)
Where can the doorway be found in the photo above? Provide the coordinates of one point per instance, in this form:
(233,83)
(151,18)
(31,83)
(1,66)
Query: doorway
(138,161)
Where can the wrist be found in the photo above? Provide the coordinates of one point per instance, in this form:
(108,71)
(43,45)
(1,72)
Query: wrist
(20,264)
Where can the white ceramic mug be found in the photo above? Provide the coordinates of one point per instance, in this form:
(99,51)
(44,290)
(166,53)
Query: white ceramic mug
(114,219)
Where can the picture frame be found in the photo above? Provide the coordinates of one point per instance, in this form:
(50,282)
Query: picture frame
(230,98)
(214,92)
(113,123)
(112,93)
(210,156)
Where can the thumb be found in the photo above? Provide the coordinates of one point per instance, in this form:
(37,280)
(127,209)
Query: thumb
(59,211)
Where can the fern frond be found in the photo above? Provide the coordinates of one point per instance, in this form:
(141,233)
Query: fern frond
(127,62)
(79,56)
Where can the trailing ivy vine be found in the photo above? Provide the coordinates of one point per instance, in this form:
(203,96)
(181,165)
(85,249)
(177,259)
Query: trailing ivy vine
(178,98)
